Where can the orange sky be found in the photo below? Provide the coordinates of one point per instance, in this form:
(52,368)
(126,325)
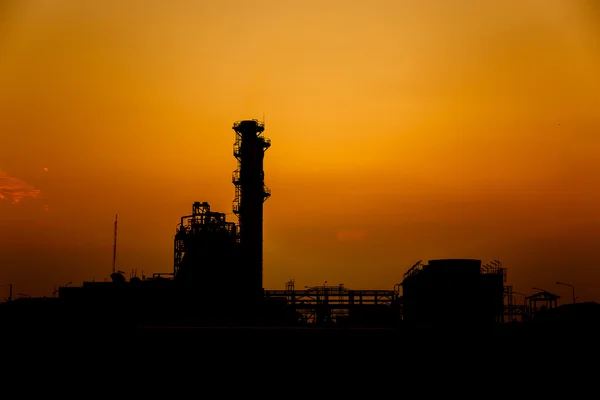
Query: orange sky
(401,130)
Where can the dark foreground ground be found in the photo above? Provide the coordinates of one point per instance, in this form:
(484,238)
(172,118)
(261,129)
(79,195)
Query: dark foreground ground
(273,336)
(95,339)
(305,353)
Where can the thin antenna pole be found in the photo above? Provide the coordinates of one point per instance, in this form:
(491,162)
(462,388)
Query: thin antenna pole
(115,247)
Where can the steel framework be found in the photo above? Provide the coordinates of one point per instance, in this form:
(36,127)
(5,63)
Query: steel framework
(200,223)
(323,304)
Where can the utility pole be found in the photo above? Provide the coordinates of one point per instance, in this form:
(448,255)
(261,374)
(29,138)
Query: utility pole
(115,246)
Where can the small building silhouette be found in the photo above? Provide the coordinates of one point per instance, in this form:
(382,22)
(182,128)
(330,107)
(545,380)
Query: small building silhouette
(541,302)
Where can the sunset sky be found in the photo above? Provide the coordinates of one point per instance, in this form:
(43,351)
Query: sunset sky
(401,130)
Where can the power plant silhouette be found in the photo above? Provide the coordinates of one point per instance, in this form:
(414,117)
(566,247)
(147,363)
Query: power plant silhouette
(209,250)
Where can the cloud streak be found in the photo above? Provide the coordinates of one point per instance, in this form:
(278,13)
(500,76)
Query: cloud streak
(14,189)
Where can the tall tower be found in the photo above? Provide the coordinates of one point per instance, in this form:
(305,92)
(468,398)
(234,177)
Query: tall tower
(250,194)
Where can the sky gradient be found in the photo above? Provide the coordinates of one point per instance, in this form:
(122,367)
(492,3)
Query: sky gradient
(401,131)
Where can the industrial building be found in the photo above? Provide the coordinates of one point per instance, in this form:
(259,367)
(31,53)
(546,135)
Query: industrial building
(454,291)
(208,251)
(217,276)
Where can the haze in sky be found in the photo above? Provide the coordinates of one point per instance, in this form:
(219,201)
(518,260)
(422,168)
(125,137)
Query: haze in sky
(401,130)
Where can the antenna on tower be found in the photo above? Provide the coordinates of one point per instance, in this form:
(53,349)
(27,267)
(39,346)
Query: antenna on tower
(115,246)
(263,118)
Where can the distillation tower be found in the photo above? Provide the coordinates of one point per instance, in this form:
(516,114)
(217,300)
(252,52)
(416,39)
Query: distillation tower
(250,194)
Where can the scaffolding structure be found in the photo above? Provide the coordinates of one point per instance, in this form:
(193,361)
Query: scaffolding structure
(512,310)
(252,148)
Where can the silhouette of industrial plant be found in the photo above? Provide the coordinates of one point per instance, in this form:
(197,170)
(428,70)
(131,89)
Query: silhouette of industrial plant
(450,294)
